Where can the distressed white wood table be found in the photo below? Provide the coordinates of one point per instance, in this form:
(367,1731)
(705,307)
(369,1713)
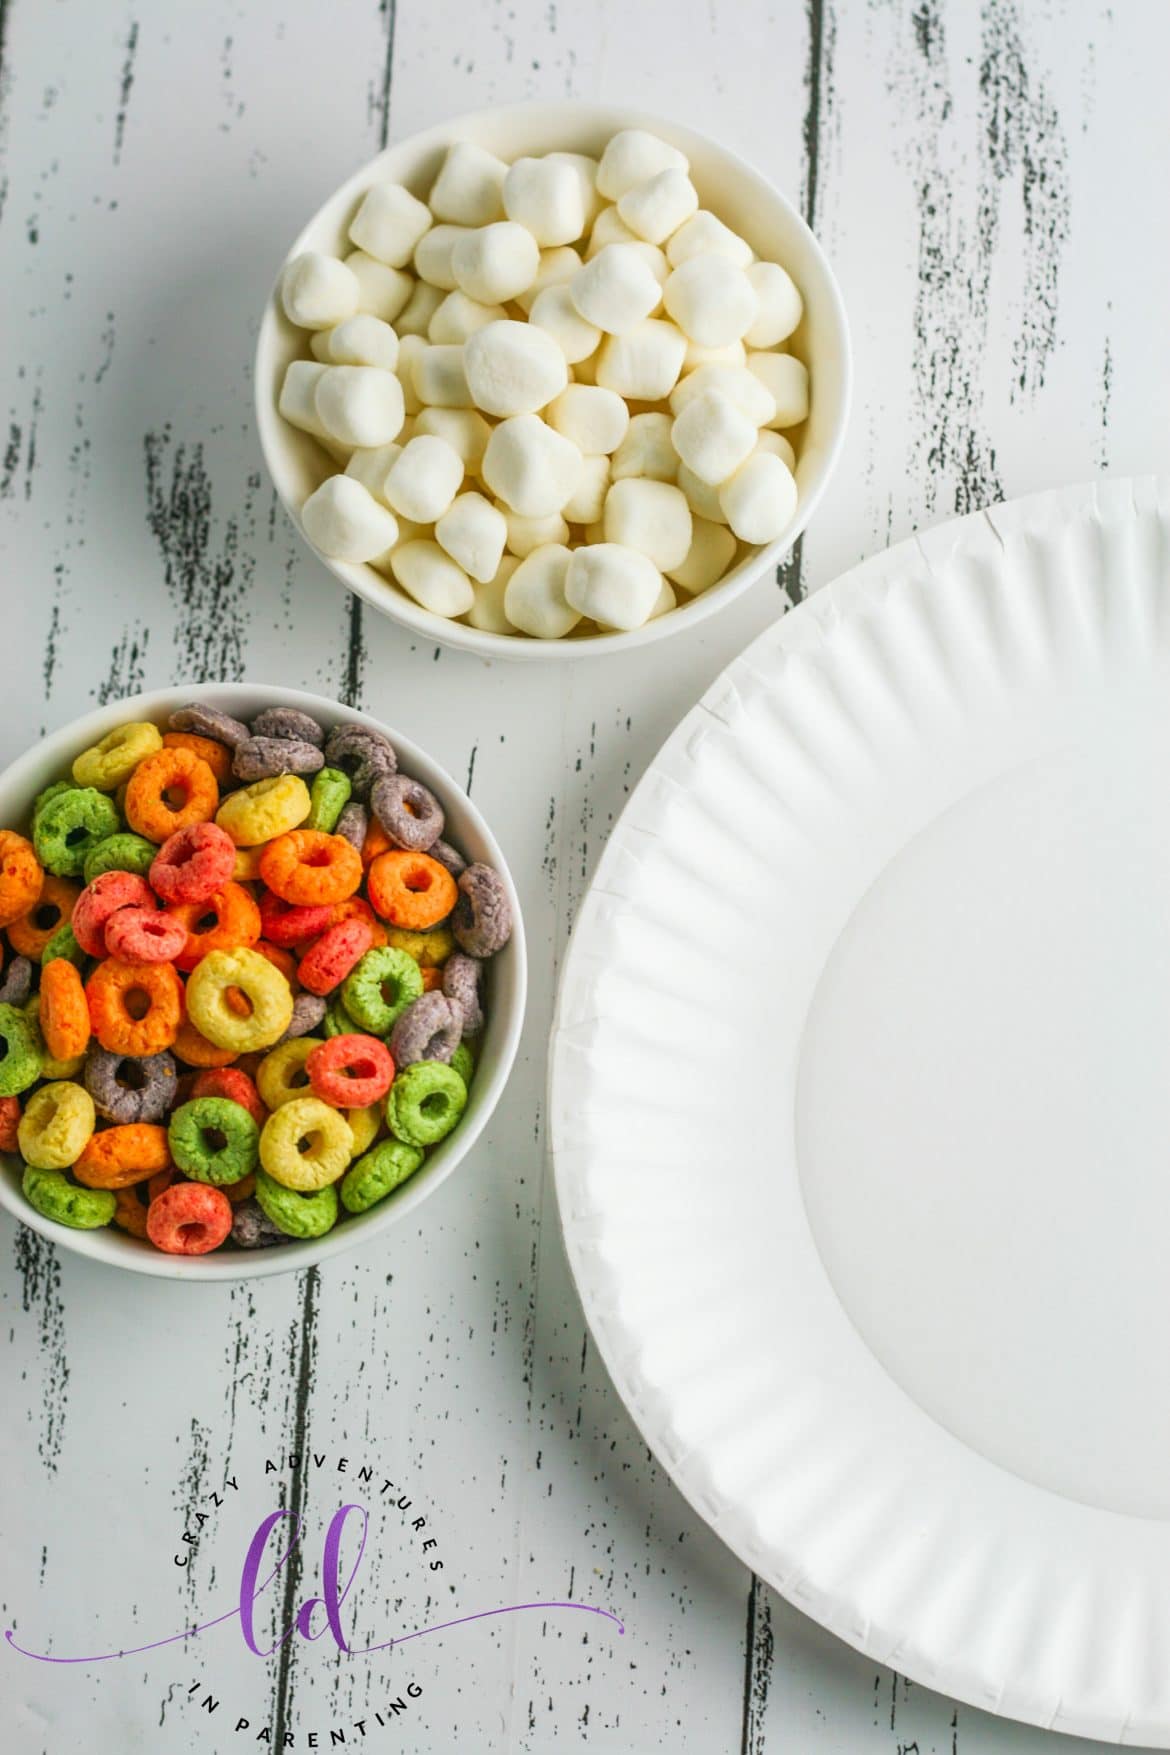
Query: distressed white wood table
(989,183)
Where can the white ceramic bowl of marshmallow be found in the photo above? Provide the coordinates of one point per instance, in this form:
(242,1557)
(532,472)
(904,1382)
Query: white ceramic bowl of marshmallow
(553,379)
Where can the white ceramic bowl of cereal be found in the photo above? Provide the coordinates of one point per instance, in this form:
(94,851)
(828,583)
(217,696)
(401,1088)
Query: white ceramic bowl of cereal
(726,186)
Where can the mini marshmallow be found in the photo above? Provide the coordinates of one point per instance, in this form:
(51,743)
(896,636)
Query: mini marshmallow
(382,291)
(778,445)
(358,341)
(495,262)
(787,379)
(586,169)
(740,386)
(360,405)
(527,534)
(389,223)
(711,300)
(616,291)
(702,235)
(665,600)
(440,377)
(644,365)
(608,228)
(712,436)
(458,317)
(432,578)
(633,156)
(473,532)
(780,304)
(545,195)
(650,516)
(711,552)
(617,586)
(587,505)
(554,269)
(422,482)
(553,311)
(411,349)
(595,419)
(513,368)
(372,466)
(654,258)
(464,430)
(702,498)
(760,498)
(655,209)
(534,597)
(318,291)
(298,397)
(585,371)
(346,522)
(469,188)
(487,612)
(647,450)
(415,316)
(434,253)
(734,354)
(533,469)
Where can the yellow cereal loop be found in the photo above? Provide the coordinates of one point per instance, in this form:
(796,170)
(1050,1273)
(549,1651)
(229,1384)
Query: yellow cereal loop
(57,1123)
(429,949)
(281,1075)
(264,810)
(263,986)
(364,1125)
(247,869)
(306,1145)
(107,764)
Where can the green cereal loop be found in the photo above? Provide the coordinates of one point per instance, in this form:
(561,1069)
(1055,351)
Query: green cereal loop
(297,1215)
(20,1062)
(328,797)
(463,1062)
(124,851)
(377,1173)
(55,1197)
(337,1021)
(363,990)
(214,1139)
(63,944)
(425,1103)
(69,825)
(42,798)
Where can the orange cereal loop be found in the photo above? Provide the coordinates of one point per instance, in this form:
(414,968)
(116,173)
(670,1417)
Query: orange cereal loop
(160,1182)
(411,889)
(118,1157)
(376,841)
(134,1008)
(170,790)
(64,1011)
(229,921)
(432,979)
(29,935)
(130,1211)
(217,755)
(192,1047)
(21,876)
(9,1122)
(357,908)
(280,959)
(241,1190)
(307,866)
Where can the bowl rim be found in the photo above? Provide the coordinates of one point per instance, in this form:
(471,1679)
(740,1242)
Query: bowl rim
(55,750)
(390,601)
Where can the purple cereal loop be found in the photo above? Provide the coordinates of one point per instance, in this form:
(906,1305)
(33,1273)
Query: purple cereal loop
(263,758)
(207,721)
(482,917)
(308,1010)
(253,1229)
(127,1088)
(17,983)
(362,753)
(429,1029)
(408,811)
(461,978)
(448,857)
(353,823)
(288,722)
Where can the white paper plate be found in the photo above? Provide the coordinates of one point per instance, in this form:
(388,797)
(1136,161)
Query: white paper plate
(861,1108)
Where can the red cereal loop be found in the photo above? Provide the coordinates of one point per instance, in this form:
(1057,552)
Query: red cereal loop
(143,935)
(189,1218)
(193,863)
(285,925)
(9,1122)
(230,1082)
(350,1072)
(99,900)
(335,953)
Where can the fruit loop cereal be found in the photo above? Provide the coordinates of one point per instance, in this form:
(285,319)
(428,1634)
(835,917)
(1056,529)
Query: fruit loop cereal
(242,981)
